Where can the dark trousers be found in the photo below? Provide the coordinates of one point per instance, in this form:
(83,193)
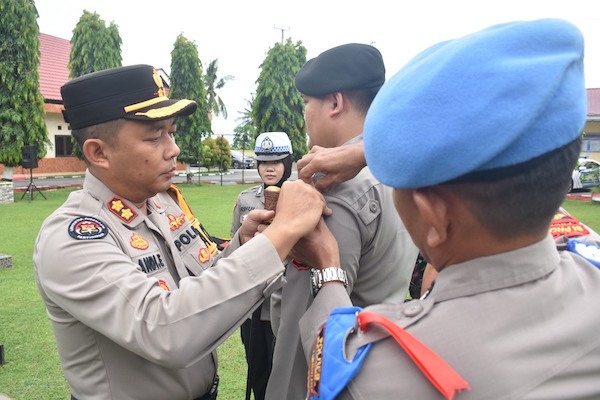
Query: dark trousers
(261,353)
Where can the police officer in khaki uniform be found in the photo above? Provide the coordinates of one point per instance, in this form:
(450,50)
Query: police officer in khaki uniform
(134,288)
(377,254)
(510,315)
(273,155)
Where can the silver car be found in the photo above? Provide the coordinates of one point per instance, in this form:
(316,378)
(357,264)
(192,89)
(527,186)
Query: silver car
(238,160)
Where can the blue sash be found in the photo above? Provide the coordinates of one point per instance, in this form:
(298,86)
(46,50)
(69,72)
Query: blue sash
(589,251)
(330,371)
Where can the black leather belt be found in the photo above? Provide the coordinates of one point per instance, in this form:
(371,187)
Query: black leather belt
(211,395)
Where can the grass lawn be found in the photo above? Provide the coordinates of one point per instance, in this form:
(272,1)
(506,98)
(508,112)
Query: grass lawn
(32,369)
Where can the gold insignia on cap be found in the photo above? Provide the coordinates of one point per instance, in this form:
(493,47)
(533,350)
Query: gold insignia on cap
(157,79)
(267,144)
(145,104)
(165,111)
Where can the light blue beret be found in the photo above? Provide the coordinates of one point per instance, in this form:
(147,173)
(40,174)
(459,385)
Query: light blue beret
(479,105)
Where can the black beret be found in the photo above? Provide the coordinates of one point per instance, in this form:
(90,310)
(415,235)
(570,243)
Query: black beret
(350,66)
(132,92)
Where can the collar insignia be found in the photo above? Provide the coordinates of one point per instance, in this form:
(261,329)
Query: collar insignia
(176,221)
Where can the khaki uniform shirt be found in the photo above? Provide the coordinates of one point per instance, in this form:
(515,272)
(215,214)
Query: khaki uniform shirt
(248,200)
(376,252)
(518,325)
(137,303)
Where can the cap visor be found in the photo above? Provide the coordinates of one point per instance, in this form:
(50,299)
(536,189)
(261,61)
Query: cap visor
(270,157)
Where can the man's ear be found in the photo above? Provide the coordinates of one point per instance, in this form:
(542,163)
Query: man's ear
(337,103)
(95,152)
(434,214)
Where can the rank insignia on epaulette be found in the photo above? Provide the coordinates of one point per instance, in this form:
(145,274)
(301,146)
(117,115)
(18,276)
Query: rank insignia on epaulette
(121,209)
(87,228)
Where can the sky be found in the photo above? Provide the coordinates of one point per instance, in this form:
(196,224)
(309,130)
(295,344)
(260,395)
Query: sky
(239,33)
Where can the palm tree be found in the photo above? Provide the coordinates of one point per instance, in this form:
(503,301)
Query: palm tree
(245,132)
(213,84)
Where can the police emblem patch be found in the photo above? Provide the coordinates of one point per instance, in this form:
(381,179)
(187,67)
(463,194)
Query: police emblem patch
(87,228)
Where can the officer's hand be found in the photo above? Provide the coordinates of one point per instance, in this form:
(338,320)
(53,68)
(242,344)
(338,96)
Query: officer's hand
(299,209)
(252,222)
(325,167)
(318,249)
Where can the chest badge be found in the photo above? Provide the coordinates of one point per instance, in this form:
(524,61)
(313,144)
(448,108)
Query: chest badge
(121,209)
(138,242)
(163,285)
(203,255)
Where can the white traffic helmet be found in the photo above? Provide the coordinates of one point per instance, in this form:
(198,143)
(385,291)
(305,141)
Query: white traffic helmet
(272,146)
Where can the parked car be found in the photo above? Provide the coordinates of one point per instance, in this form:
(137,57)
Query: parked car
(238,160)
(586,174)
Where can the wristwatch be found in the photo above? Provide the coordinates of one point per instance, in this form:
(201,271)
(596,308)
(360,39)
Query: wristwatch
(329,274)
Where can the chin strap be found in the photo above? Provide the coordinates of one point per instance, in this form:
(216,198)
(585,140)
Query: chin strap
(439,373)
(208,240)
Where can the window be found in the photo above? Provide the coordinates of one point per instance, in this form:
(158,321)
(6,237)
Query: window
(63,146)
(591,143)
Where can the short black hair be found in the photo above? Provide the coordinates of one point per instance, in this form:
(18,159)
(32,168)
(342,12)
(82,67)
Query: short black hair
(524,203)
(106,131)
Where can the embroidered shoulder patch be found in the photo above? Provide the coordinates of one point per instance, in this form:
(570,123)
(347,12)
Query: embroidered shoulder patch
(566,225)
(87,228)
(121,209)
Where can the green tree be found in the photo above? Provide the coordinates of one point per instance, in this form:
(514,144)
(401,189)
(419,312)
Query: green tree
(94,47)
(21,103)
(223,153)
(187,83)
(278,105)
(245,132)
(210,153)
(243,137)
(213,84)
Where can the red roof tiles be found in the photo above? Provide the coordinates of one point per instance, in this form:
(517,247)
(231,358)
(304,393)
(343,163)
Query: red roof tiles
(53,69)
